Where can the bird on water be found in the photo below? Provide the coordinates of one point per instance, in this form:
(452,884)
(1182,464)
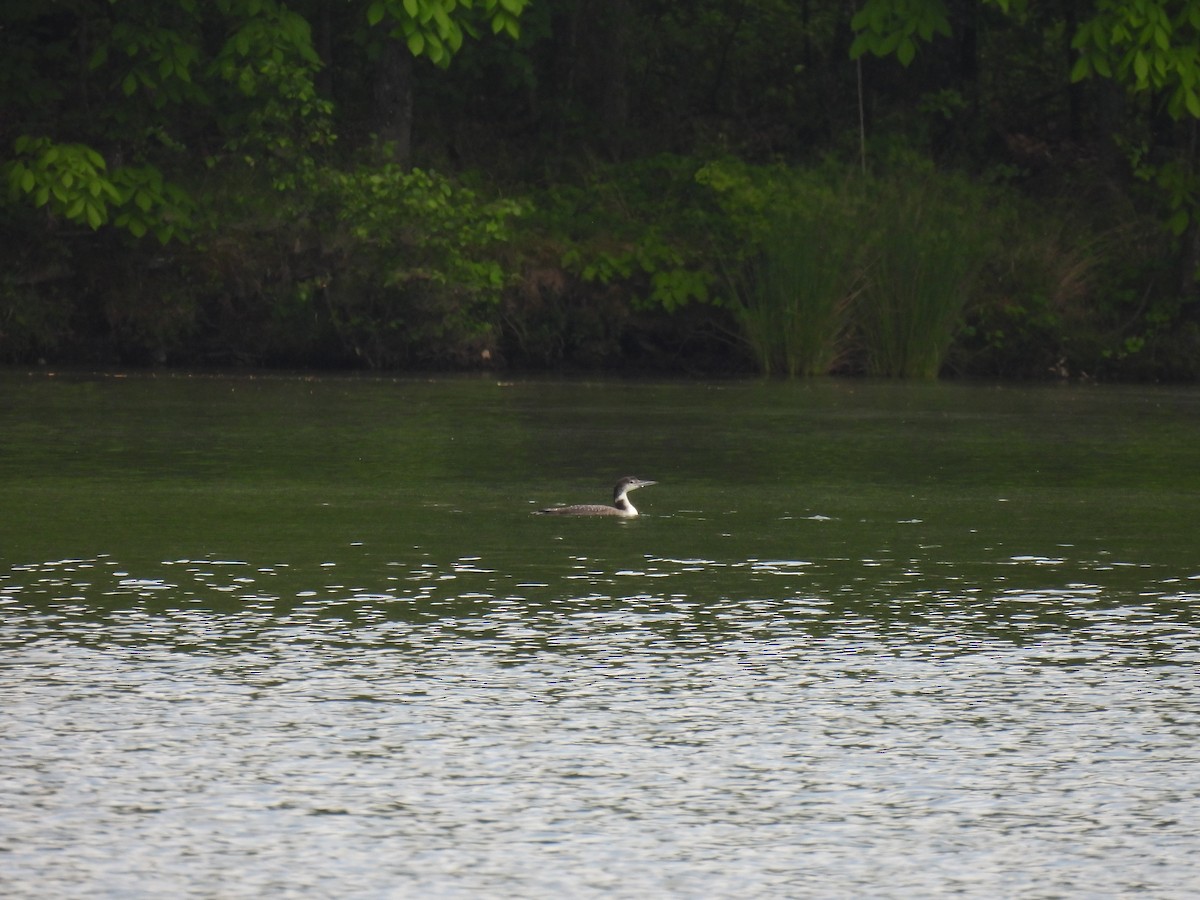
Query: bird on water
(620,506)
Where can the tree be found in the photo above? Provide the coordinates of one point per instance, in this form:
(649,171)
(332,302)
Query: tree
(404,30)
(98,143)
(1151,48)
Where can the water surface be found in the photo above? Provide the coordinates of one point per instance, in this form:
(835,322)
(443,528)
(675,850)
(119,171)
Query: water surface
(303,637)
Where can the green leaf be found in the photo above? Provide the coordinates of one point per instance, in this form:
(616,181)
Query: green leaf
(129,84)
(1192,102)
(95,217)
(412,8)
(443,21)
(1081,70)
(906,51)
(1141,68)
(416,43)
(27,180)
(375,13)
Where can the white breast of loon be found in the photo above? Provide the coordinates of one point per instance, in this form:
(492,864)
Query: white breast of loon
(621,505)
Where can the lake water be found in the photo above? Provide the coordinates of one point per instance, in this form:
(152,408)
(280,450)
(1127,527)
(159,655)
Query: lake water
(300,637)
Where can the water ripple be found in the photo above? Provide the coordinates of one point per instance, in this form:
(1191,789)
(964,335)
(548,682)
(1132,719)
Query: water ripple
(683,727)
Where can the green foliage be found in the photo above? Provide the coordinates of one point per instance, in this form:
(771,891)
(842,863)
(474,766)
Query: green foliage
(72,181)
(886,27)
(69,179)
(831,271)
(419,261)
(792,261)
(1178,186)
(255,106)
(636,226)
(795,299)
(1146,45)
(255,87)
(279,120)
(435,28)
(159,62)
(929,236)
(426,227)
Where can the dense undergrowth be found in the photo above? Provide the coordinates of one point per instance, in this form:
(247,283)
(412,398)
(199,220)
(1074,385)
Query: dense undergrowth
(668,264)
(885,189)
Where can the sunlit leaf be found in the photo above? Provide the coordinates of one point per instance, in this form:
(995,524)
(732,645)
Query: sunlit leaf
(1192,101)
(1141,68)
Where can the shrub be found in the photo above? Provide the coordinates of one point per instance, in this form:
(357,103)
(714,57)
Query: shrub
(414,269)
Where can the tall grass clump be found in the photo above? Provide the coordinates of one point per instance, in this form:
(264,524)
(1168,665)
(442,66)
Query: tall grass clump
(795,301)
(795,268)
(929,237)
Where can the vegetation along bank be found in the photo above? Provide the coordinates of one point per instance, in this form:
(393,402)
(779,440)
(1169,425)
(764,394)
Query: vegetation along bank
(908,188)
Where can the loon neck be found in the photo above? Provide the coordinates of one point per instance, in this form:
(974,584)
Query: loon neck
(622,503)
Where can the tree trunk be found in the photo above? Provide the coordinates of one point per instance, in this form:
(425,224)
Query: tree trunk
(563,84)
(614,100)
(1189,248)
(394,99)
(324,47)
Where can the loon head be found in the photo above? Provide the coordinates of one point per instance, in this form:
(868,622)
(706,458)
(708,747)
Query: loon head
(627,484)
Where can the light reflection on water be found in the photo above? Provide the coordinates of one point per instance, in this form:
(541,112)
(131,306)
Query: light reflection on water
(248,728)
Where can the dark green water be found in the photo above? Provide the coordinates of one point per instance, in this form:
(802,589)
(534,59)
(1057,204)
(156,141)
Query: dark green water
(865,639)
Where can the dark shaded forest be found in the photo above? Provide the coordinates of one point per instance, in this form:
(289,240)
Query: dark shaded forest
(898,188)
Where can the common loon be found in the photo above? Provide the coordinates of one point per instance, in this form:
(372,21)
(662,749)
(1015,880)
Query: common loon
(621,505)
